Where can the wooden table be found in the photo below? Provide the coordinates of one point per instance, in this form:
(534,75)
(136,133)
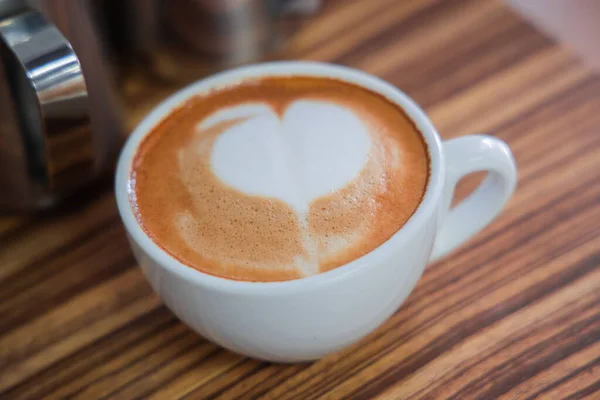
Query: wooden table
(514,314)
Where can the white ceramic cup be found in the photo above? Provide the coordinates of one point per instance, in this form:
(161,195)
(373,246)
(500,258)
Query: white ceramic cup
(307,318)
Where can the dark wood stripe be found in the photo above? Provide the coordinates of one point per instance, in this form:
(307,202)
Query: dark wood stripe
(476,367)
(264,382)
(585,149)
(487,57)
(583,369)
(139,360)
(586,393)
(19,315)
(120,392)
(555,109)
(369,12)
(205,391)
(558,318)
(537,358)
(463,330)
(74,203)
(41,340)
(331,10)
(541,79)
(17,229)
(182,339)
(389,35)
(65,225)
(560,151)
(54,289)
(99,352)
(36,272)
(200,363)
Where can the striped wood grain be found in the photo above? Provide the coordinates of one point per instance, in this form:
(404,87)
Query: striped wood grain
(514,314)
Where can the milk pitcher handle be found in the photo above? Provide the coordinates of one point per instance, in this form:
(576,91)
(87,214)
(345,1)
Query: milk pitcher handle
(51,132)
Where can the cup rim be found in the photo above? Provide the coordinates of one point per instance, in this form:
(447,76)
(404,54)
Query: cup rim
(362,264)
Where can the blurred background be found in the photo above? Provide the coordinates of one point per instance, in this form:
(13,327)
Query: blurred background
(76,76)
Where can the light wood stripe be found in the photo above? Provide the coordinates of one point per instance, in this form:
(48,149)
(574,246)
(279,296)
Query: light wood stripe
(83,363)
(201,373)
(508,94)
(483,345)
(422,42)
(582,386)
(364,21)
(585,362)
(101,258)
(115,302)
(52,234)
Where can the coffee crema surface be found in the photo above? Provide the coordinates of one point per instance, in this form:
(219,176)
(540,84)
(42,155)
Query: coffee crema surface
(278,178)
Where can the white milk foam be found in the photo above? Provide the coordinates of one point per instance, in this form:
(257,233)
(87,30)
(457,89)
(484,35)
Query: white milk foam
(314,149)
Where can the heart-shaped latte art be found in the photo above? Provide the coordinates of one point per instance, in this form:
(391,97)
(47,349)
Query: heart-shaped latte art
(313,149)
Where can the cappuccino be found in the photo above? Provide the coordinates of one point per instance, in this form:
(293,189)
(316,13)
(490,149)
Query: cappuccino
(278,178)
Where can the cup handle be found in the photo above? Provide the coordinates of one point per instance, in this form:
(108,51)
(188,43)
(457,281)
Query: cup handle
(466,155)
